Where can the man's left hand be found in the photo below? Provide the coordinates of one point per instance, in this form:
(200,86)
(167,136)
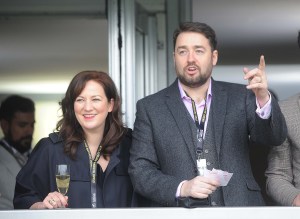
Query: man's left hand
(257,82)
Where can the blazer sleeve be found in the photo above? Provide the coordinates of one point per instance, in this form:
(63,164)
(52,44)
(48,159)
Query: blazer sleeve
(280,175)
(144,169)
(272,131)
(283,177)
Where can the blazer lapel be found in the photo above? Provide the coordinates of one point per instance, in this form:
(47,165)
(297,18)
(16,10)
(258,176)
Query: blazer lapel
(114,160)
(182,118)
(219,106)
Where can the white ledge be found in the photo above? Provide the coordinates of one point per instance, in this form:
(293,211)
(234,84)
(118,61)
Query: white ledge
(157,213)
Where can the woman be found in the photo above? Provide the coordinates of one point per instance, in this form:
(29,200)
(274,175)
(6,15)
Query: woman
(90,137)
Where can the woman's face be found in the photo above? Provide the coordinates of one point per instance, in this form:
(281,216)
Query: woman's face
(91,107)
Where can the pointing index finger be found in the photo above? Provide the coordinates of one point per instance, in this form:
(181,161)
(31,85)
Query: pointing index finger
(262,63)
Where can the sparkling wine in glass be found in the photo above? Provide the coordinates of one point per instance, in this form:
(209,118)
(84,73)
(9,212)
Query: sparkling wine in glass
(62,178)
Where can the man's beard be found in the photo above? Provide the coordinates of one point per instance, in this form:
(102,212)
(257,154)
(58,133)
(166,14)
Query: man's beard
(22,145)
(193,82)
(198,81)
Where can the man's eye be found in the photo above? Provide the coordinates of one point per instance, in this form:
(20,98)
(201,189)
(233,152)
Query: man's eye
(182,52)
(199,51)
(22,125)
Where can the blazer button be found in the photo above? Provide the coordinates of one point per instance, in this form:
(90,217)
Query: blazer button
(208,163)
(206,151)
(214,203)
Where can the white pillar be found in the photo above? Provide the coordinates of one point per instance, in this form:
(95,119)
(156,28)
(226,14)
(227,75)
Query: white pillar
(113,47)
(128,61)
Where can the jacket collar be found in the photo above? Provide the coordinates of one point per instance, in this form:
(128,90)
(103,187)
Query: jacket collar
(183,120)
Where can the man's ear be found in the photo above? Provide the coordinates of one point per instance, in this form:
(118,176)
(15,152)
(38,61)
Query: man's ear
(215,55)
(4,126)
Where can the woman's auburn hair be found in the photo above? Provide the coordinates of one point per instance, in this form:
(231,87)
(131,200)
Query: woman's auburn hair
(69,128)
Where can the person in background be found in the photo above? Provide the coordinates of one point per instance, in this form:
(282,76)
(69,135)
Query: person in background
(17,119)
(93,141)
(283,172)
(200,122)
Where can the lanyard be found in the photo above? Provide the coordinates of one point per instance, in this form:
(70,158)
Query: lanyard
(93,172)
(200,126)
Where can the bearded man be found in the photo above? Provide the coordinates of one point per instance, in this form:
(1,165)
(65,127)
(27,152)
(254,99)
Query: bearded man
(17,124)
(197,125)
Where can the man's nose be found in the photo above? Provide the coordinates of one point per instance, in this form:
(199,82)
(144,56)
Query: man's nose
(29,129)
(191,56)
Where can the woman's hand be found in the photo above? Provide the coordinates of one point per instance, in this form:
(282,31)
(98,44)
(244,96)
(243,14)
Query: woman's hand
(51,201)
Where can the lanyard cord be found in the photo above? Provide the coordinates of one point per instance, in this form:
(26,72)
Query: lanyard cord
(93,172)
(200,126)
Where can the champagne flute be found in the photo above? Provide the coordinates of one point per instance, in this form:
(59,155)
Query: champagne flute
(62,178)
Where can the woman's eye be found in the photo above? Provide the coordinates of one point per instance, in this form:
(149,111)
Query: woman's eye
(79,100)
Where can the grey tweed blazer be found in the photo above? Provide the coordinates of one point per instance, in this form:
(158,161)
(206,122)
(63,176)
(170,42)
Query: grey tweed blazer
(164,142)
(283,172)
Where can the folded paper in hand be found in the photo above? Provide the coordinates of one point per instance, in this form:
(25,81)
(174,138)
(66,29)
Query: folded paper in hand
(221,176)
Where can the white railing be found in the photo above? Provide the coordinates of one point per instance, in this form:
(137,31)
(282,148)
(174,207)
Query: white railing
(158,213)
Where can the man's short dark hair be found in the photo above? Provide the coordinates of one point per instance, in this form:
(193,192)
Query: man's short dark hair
(13,104)
(197,27)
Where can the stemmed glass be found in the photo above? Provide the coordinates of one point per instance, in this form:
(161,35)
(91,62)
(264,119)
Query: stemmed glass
(62,178)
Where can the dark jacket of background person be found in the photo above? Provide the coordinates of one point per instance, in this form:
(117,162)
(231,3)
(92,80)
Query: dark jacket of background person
(283,172)
(259,164)
(41,166)
(164,142)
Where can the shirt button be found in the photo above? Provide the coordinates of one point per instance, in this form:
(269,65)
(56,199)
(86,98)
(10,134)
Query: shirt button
(206,151)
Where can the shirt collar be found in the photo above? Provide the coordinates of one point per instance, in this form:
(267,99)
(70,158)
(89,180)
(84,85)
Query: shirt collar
(184,96)
(15,151)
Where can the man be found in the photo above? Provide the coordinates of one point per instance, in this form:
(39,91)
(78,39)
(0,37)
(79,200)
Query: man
(199,121)
(17,124)
(283,172)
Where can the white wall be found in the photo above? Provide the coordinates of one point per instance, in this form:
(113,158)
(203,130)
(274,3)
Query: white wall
(284,80)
